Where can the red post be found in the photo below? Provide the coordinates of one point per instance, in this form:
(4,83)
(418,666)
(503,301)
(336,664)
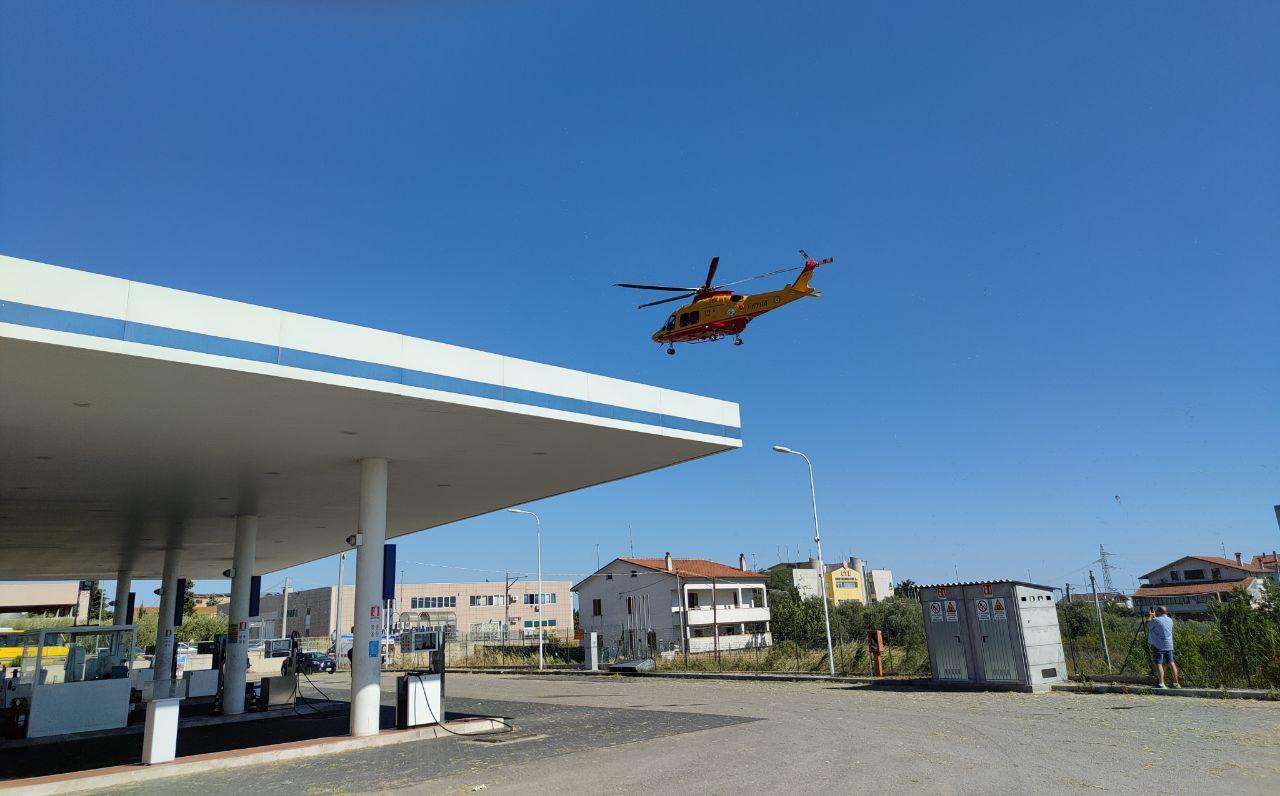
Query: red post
(875,643)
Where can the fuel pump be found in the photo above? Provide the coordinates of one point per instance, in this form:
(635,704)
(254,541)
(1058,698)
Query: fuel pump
(420,691)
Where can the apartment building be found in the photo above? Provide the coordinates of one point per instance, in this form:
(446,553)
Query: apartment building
(681,603)
(478,610)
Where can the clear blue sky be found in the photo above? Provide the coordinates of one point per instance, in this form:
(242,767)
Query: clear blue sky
(1055,230)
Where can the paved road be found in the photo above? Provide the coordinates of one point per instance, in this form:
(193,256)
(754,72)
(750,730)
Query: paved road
(612,735)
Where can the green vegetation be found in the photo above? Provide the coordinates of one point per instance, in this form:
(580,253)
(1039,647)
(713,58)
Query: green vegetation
(1236,646)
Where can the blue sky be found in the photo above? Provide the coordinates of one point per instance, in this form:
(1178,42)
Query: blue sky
(1055,233)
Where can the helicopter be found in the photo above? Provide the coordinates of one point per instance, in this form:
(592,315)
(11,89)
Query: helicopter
(716,313)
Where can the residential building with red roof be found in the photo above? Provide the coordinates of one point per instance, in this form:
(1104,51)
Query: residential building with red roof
(686,604)
(1189,585)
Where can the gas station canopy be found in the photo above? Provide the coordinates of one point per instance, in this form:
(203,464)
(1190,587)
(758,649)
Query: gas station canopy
(135,418)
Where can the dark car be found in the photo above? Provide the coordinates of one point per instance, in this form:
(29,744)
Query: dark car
(312,662)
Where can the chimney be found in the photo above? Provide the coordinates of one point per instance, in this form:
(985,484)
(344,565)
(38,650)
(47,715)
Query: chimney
(1238,561)
(742,561)
(669,566)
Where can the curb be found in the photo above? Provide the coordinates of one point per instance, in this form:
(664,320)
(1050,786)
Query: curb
(121,776)
(912,682)
(1146,690)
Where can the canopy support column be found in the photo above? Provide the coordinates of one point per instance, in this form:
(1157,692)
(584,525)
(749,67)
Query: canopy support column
(236,665)
(162,663)
(366,642)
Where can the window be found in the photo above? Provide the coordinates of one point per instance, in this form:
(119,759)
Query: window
(633,573)
(1194,574)
(608,576)
(1173,574)
(486,600)
(693,599)
(628,605)
(545,623)
(1217,574)
(547,599)
(846,583)
(433,602)
(671,323)
(595,608)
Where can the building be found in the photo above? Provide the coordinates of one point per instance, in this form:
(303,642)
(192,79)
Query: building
(844,582)
(62,598)
(803,575)
(687,604)
(476,610)
(1188,585)
(1112,597)
(880,584)
(1270,563)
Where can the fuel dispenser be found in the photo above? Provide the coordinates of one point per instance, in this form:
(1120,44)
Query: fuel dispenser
(420,690)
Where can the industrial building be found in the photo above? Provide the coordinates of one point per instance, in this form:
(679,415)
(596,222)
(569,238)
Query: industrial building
(153,433)
(63,598)
(477,611)
(686,604)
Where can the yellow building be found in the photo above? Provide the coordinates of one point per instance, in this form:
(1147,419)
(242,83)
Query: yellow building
(844,584)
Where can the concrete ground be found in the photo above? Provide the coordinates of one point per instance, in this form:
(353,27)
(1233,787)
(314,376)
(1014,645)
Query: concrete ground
(614,734)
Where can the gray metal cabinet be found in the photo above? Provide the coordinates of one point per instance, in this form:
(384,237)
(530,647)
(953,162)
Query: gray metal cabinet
(1000,634)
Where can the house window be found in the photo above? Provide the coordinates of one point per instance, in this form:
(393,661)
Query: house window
(633,573)
(628,605)
(545,623)
(1173,574)
(1217,573)
(1194,574)
(595,608)
(433,602)
(547,599)
(608,576)
(693,599)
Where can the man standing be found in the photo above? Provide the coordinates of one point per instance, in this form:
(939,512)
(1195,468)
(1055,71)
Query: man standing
(1160,637)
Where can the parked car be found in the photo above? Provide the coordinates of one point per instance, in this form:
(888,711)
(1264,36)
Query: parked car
(311,663)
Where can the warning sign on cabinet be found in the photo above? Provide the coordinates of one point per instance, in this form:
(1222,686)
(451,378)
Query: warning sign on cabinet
(935,612)
(983,608)
(953,612)
(997,608)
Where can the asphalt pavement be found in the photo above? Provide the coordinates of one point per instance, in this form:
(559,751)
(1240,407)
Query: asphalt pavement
(615,735)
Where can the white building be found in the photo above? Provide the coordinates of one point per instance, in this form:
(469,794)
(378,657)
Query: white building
(880,584)
(804,576)
(1188,586)
(678,603)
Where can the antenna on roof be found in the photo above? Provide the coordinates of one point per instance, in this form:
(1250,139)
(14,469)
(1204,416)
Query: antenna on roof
(632,539)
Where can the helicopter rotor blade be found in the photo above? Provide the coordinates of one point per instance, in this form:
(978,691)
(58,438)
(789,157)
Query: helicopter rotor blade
(664,301)
(656,287)
(711,273)
(761,276)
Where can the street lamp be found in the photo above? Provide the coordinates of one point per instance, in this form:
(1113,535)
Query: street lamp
(538,602)
(822,573)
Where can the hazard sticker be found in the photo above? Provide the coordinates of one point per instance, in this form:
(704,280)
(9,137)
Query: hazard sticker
(997,608)
(986,589)
(935,612)
(983,608)
(953,611)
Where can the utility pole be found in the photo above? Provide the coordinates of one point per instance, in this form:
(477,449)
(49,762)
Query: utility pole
(284,611)
(337,619)
(1102,631)
(506,608)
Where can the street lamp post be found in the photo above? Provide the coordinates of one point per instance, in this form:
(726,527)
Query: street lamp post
(822,574)
(538,601)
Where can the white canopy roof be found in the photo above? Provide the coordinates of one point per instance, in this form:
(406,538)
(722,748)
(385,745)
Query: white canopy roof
(134,417)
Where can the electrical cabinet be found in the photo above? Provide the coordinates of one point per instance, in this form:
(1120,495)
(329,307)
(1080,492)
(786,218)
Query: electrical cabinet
(997,634)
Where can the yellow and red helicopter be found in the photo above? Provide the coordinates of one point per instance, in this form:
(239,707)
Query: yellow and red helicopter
(716,313)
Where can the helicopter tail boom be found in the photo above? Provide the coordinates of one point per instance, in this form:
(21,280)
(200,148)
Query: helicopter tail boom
(802,282)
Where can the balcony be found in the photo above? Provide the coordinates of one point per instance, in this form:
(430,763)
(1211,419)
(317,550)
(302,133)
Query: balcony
(724,615)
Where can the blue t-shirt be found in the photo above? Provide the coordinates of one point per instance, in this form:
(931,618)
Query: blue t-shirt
(1160,633)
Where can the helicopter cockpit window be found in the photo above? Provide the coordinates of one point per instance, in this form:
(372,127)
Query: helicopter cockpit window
(671,322)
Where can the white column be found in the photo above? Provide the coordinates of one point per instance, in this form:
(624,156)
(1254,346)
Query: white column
(235,670)
(366,652)
(124,581)
(162,663)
